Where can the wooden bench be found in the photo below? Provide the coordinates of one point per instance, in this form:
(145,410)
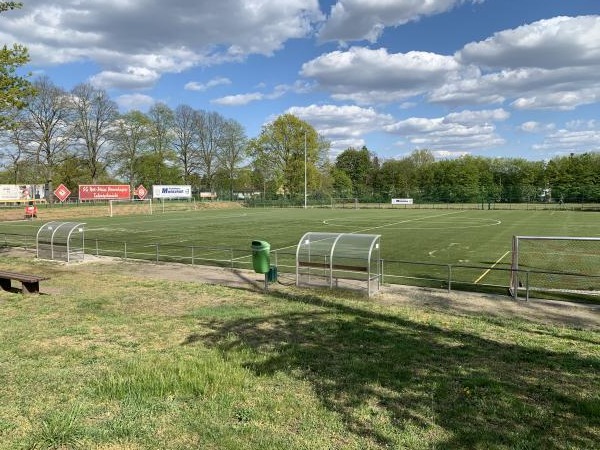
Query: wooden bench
(30,284)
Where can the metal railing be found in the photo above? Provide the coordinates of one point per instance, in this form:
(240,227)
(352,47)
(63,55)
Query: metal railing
(451,277)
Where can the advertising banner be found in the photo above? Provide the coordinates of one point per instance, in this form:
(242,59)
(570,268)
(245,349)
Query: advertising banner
(21,192)
(104,192)
(171,191)
(402,201)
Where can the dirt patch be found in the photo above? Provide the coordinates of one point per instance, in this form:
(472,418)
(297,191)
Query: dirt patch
(455,302)
(69,212)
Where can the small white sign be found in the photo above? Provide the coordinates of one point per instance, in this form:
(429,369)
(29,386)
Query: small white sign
(162,191)
(402,201)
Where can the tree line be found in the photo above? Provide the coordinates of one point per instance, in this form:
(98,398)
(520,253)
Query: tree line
(79,137)
(468,179)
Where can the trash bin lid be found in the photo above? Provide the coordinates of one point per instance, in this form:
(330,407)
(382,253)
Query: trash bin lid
(260,245)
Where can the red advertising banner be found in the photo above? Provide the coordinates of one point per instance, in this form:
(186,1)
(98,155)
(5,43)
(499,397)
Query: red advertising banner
(104,192)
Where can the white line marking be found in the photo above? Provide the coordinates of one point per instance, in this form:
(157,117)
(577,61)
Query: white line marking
(382,226)
(489,270)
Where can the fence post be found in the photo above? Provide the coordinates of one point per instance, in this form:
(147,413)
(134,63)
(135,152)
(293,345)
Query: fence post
(192,255)
(157,251)
(231,257)
(449,277)
(97,254)
(125,246)
(527,286)
(382,272)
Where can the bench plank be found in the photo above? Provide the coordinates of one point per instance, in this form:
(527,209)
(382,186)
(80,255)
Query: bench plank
(30,284)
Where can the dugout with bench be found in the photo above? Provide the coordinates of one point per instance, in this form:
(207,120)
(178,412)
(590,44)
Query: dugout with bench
(61,241)
(345,260)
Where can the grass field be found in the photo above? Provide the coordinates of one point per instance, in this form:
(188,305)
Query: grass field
(106,359)
(477,238)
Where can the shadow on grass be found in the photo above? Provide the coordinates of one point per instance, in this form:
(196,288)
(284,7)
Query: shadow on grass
(386,375)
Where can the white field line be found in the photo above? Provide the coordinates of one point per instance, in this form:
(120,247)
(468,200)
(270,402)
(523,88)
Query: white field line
(383,226)
(490,269)
(405,221)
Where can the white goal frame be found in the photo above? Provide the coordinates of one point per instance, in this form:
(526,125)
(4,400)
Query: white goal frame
(516,274)
(138,203)
(344,200)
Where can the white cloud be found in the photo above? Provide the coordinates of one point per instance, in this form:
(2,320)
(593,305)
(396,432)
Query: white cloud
(132,77)
(366,19)
(576,137)
(344,126)
(239,99)
(131,102)
(548,44)
(548,64)
(339,122)
(390,77)
(457,132)
(536,127)
(278,91)
(201,87)
(153,36)
(471,117)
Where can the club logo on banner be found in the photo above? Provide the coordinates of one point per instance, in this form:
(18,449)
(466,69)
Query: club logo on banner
(104,192)
(141,192)
(62,193)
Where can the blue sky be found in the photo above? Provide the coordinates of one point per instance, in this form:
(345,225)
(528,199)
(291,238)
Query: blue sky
(494,78)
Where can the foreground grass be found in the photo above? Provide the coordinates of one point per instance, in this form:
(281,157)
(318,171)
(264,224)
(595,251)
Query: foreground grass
(111,361)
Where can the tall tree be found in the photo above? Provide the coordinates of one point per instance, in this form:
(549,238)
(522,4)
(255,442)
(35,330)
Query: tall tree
(48,132)
(358,165)
(233,151)
(131,139)
(161,118)
(289,148)
(94,116)
(14,89)
(13,154)
(185,141)
(211,127)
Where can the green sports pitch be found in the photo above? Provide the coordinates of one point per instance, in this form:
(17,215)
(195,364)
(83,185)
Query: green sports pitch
(415,243)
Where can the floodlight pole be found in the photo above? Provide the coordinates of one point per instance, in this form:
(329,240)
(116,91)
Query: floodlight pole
(305,193)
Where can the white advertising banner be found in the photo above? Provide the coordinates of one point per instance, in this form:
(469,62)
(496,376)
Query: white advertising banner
(21,192)
(402,201)
(171,191)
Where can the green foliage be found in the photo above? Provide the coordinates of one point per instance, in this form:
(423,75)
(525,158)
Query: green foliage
(14,89)
(153,168)
(358,166)
(280,153)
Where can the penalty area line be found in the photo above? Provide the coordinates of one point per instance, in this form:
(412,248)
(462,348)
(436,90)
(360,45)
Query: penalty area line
(490,269)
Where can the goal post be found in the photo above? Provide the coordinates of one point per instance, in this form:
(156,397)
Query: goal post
(344,202)
(555,263)
(129,207)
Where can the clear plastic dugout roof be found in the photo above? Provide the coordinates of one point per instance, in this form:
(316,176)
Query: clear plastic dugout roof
(61,241)
(339,259)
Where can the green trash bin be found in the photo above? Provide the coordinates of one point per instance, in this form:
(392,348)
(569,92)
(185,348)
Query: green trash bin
(260,256)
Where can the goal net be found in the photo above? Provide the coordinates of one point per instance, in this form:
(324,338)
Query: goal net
(351,203)
(129,207)
(555,263)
